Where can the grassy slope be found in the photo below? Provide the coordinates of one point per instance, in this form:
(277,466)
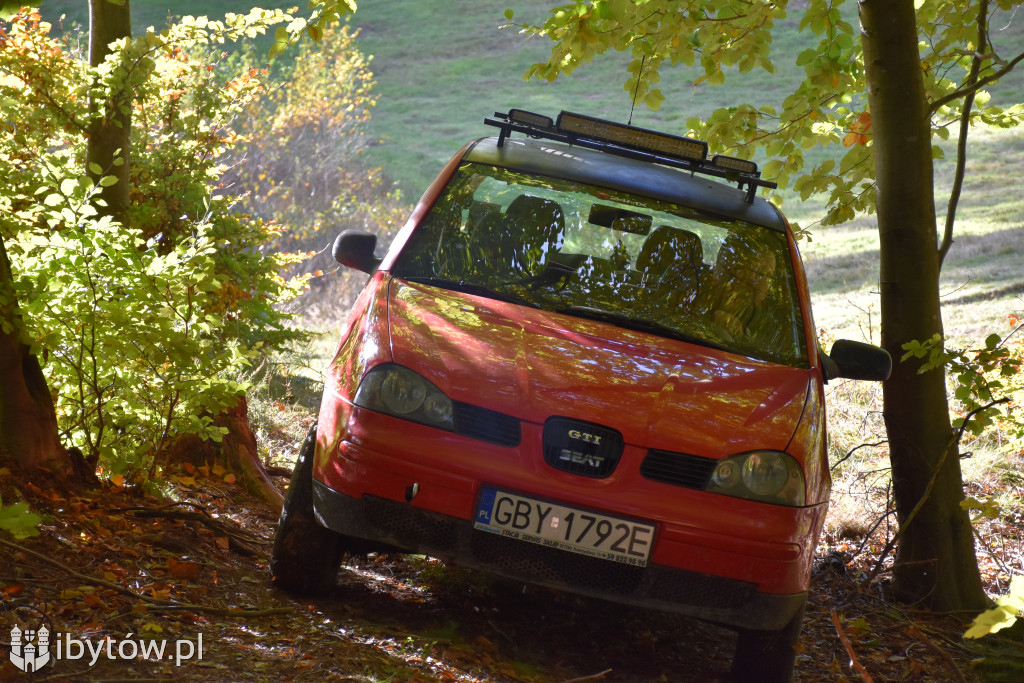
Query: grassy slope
(441,66)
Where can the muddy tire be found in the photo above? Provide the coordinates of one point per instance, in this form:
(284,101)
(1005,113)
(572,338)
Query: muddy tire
(767,656)
(306,555)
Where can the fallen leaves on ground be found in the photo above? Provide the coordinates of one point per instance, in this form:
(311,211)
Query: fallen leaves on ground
(110,573)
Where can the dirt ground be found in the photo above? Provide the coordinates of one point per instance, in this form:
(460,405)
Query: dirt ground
(112,565)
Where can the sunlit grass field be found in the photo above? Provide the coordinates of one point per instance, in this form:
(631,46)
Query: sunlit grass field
(441,67)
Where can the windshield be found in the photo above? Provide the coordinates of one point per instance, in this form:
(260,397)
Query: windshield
(618,258)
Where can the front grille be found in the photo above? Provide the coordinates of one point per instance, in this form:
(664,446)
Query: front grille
(486,425)
(583,448)
(680,469)
(701,590)
(410,525)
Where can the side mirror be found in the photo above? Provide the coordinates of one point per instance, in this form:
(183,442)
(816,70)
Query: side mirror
(355,250)
(857,360)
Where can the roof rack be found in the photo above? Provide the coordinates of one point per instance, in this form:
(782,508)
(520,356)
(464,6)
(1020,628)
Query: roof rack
(632,142)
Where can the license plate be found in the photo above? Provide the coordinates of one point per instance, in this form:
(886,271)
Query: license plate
(567,528)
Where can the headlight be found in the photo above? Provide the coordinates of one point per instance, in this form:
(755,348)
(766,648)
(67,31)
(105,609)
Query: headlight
(766,476)
(398,391)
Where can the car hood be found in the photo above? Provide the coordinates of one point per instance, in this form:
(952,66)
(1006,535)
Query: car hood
(533,364)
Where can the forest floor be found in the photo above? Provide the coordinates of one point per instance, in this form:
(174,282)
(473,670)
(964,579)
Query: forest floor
(114,573)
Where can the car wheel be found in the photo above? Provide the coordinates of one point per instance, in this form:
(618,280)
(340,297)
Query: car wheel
(767,656)
(306,555)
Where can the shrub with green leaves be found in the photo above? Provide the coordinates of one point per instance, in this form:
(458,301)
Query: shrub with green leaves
(141,328)
(986,379)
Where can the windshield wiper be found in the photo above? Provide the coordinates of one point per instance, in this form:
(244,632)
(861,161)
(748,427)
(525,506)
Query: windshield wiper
(638,324)
(471,288)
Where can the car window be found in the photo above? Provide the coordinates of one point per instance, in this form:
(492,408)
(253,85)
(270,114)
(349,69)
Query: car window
(624,259)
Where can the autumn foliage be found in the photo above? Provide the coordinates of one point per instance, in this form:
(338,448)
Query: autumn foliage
(299,162)
(142,328)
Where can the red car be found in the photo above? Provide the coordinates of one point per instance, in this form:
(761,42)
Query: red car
(588,362)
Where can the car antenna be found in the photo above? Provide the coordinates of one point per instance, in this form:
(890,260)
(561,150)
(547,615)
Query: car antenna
(636,89)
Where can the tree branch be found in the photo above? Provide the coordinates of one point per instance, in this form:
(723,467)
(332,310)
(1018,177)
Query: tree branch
(854,662)
(855,449)
(963,92)
(953,441)
(965,121)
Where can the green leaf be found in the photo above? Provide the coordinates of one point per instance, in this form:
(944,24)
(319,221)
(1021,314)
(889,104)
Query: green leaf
(8,8)
(509,14)
(653,99)
(108,180)
(19,521)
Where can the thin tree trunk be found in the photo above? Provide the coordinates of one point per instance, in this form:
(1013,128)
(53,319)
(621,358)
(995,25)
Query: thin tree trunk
(109,135)
(935,561)
(28,422)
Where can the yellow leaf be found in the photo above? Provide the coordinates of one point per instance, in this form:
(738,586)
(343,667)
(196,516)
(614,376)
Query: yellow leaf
(999,617)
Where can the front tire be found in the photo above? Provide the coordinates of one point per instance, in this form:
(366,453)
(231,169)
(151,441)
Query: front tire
(306,555)
(767,656)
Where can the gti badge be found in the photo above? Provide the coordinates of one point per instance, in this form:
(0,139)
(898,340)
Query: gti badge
(584,436)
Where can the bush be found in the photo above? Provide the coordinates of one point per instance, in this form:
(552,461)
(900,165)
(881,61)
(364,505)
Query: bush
(299,163)
(140,327)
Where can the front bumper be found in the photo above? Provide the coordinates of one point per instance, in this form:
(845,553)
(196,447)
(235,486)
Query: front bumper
(723,600)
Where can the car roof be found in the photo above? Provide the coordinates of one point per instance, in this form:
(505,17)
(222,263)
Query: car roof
(593,167)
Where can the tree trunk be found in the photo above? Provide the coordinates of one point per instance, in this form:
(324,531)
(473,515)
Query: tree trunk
(935,560)
(236,453)
(28,422)
(109,135)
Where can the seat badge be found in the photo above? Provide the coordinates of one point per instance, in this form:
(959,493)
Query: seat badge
(579,447)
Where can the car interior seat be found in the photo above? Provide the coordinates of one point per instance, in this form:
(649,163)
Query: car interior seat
(672,263)
(741,281)
(536,228)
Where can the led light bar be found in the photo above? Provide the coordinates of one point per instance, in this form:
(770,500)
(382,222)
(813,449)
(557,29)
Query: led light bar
(629,137)
(528,118)
(734,164)
(627,141)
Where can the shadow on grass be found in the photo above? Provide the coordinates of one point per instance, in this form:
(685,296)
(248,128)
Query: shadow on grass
(1014,289)
(993,257)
